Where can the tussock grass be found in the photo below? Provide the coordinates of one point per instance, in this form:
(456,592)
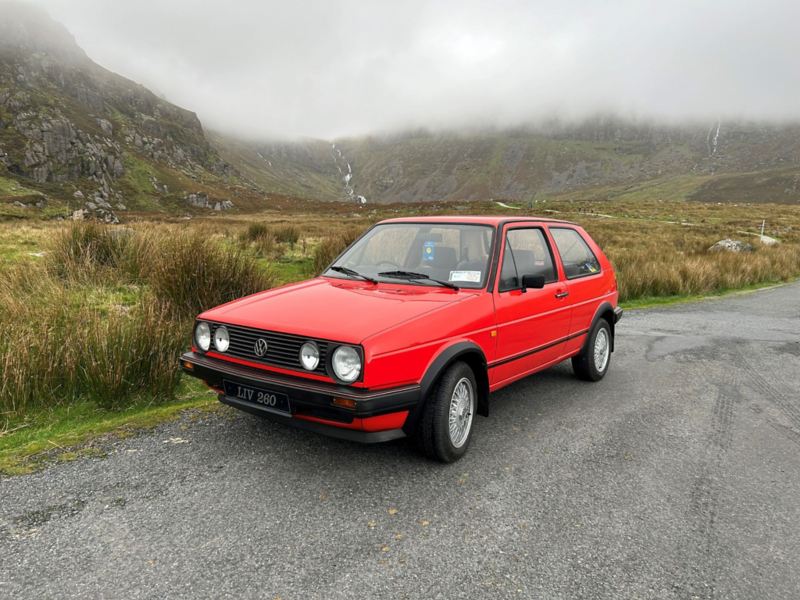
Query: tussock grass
(60,344)
(185,268)
(261,238)
(83,251)
(255,231)
(193,273)
(655,260)
(330,247)
(287,234)
(65,352)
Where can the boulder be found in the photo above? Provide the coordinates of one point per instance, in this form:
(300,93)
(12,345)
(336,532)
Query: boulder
(768,241)
(728,245)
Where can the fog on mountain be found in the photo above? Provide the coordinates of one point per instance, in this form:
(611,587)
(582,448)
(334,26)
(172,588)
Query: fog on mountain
(68,120)
(343,68)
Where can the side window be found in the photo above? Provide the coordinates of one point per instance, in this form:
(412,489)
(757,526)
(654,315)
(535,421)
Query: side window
(526,253)
(578,258)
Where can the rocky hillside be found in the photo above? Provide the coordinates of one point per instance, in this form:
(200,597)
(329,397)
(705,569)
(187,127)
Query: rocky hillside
(78,139)
(73,133)
(727,161)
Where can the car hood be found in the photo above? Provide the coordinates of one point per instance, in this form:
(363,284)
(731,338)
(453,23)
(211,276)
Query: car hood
(335,309)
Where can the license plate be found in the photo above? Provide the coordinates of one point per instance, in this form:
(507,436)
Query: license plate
(267,399)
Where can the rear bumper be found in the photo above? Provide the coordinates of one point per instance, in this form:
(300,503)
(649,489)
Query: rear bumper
(617,314)
(378,415)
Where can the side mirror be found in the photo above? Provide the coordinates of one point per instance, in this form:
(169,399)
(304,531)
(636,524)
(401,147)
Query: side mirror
(532,281)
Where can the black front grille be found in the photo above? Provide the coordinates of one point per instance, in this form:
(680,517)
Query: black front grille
(283,349)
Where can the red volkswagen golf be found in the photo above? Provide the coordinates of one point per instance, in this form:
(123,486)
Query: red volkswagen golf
(412,327)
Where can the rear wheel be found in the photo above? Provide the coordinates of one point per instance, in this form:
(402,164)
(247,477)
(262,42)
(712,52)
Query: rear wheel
(445,426)
(593,361)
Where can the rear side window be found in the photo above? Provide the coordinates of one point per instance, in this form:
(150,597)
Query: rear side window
(527,253)
(578,258)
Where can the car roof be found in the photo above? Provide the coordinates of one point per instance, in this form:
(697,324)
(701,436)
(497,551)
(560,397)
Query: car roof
(493,220)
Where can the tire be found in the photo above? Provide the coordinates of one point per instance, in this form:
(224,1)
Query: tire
(434,434)
(594,359)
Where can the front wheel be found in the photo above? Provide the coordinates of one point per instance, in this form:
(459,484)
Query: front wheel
(445,426)
(592,362)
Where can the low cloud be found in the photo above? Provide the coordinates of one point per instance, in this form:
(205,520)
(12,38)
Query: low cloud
(331,68)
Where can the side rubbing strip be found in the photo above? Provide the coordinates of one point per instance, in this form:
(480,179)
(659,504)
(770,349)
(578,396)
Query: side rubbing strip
(571,336)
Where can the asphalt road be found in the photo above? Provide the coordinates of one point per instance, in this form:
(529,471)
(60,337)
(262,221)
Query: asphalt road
(677,476)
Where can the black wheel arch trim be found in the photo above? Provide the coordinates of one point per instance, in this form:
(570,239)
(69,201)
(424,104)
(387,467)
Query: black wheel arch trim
(459,350)
(606,308)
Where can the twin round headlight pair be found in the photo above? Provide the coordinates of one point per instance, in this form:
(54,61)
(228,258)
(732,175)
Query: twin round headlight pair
(346,361)
(202,336)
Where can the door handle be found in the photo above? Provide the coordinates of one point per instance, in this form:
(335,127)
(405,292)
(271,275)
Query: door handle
(563,294)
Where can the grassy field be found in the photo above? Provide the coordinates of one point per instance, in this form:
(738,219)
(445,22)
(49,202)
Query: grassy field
(94,316)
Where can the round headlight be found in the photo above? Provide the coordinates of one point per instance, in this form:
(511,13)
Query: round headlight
(346,363)
(309,356)
(221,339)
(202,336)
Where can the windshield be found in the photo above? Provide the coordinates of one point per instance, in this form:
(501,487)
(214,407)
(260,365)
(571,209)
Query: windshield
(458,254)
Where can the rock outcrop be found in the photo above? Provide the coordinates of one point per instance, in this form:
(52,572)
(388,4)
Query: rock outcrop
(55,150)
(201,200)
(66,120)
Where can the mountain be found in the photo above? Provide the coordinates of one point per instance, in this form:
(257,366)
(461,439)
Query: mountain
(74,133)
(76,137)
(726,161)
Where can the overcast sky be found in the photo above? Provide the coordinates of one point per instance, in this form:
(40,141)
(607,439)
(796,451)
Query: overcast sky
(264,68)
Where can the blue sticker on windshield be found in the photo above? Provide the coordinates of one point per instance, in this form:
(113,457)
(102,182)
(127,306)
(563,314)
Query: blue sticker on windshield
(428,250)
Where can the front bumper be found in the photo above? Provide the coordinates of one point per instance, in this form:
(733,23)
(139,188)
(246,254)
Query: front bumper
(378,415)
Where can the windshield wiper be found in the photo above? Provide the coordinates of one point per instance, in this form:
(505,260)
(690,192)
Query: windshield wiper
(352,273)
(411,276)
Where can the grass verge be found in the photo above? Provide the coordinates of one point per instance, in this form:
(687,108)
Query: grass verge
(66,431)
(657,301)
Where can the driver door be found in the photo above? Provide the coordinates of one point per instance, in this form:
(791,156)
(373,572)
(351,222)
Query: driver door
(532,324)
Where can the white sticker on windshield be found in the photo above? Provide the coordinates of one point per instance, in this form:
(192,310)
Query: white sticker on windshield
(468,276)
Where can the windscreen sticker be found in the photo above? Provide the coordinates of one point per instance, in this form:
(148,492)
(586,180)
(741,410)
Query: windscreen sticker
(428,250)
(468,276)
